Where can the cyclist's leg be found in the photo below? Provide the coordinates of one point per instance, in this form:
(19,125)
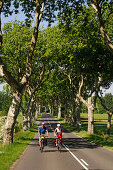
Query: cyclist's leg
(40,141)
(56,141)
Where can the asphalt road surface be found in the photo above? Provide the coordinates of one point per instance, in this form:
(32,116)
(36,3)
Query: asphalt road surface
(76,153)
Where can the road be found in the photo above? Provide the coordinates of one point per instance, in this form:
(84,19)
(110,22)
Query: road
(76,154)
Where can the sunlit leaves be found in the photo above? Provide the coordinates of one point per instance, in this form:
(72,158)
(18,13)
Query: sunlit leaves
(16,41)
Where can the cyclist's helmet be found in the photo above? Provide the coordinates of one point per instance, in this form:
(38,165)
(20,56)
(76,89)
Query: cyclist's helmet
(58,125)
(42,123)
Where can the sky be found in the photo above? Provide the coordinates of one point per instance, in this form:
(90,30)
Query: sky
(21,17)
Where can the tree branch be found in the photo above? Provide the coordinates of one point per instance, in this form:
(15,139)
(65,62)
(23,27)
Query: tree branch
(6,75)
(38,16)
(107,40)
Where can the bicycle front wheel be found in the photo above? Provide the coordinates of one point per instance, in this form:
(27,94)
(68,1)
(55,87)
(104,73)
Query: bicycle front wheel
(42,146)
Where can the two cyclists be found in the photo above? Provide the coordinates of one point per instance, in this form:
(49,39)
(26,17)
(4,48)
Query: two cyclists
(58,133)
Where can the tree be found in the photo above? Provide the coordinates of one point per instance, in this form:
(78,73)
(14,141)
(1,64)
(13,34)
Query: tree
(18,86)
(107,104)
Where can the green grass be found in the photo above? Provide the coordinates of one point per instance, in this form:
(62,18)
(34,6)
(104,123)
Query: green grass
(98,137)
(96,116)
(9,153)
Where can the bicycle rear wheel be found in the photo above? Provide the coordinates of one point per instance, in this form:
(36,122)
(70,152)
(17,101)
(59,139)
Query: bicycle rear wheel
(42,146)
(59,145)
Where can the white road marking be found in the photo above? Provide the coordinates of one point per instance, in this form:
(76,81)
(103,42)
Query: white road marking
(84,162)
(76,158)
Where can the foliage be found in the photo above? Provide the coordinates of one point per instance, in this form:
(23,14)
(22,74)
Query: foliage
(16,41)
(17,128)
(5,102)
(108,98)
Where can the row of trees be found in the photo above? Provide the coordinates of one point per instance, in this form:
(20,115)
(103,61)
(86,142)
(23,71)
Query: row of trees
(64,64)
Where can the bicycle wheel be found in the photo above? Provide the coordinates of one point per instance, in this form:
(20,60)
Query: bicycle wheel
(42,146)
(59,145)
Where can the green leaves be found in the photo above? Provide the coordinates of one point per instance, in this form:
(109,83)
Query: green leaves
(16,42)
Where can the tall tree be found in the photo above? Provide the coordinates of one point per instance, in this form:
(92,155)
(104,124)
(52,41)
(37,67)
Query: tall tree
(18,86)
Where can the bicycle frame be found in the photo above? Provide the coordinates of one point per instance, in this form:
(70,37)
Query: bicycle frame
(59,142)
(42,142)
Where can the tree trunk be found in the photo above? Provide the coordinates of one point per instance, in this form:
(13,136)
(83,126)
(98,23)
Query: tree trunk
(11,118)
(59,111)
(25,122)
(73,118)
(52,109)
(36,113)
(78,106)
(108,125)
(65,114)
(39,110)
(90,117)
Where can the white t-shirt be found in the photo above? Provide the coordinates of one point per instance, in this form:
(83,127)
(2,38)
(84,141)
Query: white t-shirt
(58,131)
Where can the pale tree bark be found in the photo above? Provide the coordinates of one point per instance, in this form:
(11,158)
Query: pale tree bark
(25,122)
(30,114)
(52,109)
(109,124)
(65,113)
(90,117)
(97,8)
(11,118)
(72,117)
(36,113)
(39,109)
(89,106)
(59,110)
(78,107)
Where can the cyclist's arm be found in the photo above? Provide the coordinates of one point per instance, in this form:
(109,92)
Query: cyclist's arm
(47,132)
(55,132)
(38,131)
(62,133)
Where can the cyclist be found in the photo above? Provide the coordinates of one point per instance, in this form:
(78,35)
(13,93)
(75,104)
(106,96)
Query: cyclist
(58,131)
(42,130)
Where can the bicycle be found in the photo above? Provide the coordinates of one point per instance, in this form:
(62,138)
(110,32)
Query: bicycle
(59,142)
(42,142)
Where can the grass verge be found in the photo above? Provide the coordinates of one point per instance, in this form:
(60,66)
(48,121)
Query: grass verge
(10,153)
